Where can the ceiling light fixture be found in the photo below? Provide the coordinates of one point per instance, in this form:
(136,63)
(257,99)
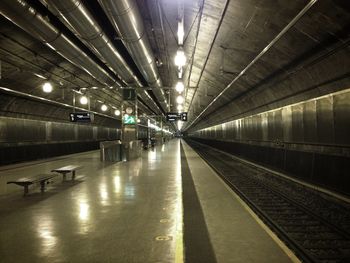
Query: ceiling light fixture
(180,33)
(117,112)
(180,58)
(40,76)
(179,87)
(179,99)
(104,107)
(47,87)
(83,100)
(179,107)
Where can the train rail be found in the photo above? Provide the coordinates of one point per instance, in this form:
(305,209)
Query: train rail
(314,225)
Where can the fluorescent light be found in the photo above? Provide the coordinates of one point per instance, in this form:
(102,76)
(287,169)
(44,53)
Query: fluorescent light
(104,107)
(179,99)
(47,87)
(180,87)
(83,100)
(180,58)
(180,34)
(40,76)
(117,112)
(94,87)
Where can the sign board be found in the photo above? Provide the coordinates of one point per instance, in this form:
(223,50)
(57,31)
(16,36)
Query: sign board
(129,94)
(81,117)
(129,119)
(174,116)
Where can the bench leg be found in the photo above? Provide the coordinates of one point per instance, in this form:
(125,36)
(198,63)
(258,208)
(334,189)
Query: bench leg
(26,190)
(64,176)
(73,175)
(42,186)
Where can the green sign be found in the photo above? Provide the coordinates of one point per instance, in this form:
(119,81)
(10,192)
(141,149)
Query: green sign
(129,119)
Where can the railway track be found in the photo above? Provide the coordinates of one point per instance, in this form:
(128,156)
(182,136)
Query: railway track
(314,225)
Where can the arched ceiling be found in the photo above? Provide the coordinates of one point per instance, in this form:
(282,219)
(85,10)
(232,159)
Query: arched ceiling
(222,39)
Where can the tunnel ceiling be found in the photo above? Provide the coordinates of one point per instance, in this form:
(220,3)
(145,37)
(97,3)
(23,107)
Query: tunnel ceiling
(222,39)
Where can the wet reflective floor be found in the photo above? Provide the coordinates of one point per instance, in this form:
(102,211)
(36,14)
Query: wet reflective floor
(122,212)
(167,206)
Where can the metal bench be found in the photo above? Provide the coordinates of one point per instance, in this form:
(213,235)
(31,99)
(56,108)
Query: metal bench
(67,169)
(26,181)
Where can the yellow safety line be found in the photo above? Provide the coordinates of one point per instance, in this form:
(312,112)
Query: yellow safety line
(274,237)
(179,248)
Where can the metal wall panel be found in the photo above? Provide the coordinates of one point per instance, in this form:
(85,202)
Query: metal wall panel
(287,124)
(341,106)
(85,132)
(310,121)
(223,128)
(270,126)
(23,130)
(278,126)
(96,131)
(62,132)
(321,121)
(264,126)
(325,120)
(235,130)
(16,130)
(239,129)
(258,127)
(3,130)
(297,123)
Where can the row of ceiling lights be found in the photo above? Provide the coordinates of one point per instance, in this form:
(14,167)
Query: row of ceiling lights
(180,58)
(47,88)
(180,62)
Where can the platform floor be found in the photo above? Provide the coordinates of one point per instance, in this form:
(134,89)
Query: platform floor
(167,206)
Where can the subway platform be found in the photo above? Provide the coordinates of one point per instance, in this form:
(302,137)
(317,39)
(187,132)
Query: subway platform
(167,206)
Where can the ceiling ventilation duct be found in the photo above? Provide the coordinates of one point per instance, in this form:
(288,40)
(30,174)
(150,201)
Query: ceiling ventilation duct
(81,21)
(30,20)
(126,19)
(37,25)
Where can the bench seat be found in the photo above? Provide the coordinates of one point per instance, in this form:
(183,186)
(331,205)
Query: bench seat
(67,169)
(26,181)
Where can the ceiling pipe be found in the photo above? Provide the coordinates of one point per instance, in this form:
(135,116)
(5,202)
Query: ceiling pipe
(84,25)
(30,20)
(39,26)
(126,19)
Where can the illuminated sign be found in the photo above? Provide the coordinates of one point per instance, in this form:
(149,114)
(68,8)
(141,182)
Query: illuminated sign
(174,116)
(129,119)
(183,116)
(81,117)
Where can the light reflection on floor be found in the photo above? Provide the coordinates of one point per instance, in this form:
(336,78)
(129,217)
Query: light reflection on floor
(45,231)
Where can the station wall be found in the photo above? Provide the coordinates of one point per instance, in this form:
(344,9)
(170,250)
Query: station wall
(27,139)
(309,140)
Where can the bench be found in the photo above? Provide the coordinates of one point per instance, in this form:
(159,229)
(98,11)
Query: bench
(26,181)
(67,169)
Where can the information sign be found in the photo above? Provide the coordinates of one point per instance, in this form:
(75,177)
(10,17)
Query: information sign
(129,94)
(81,117)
